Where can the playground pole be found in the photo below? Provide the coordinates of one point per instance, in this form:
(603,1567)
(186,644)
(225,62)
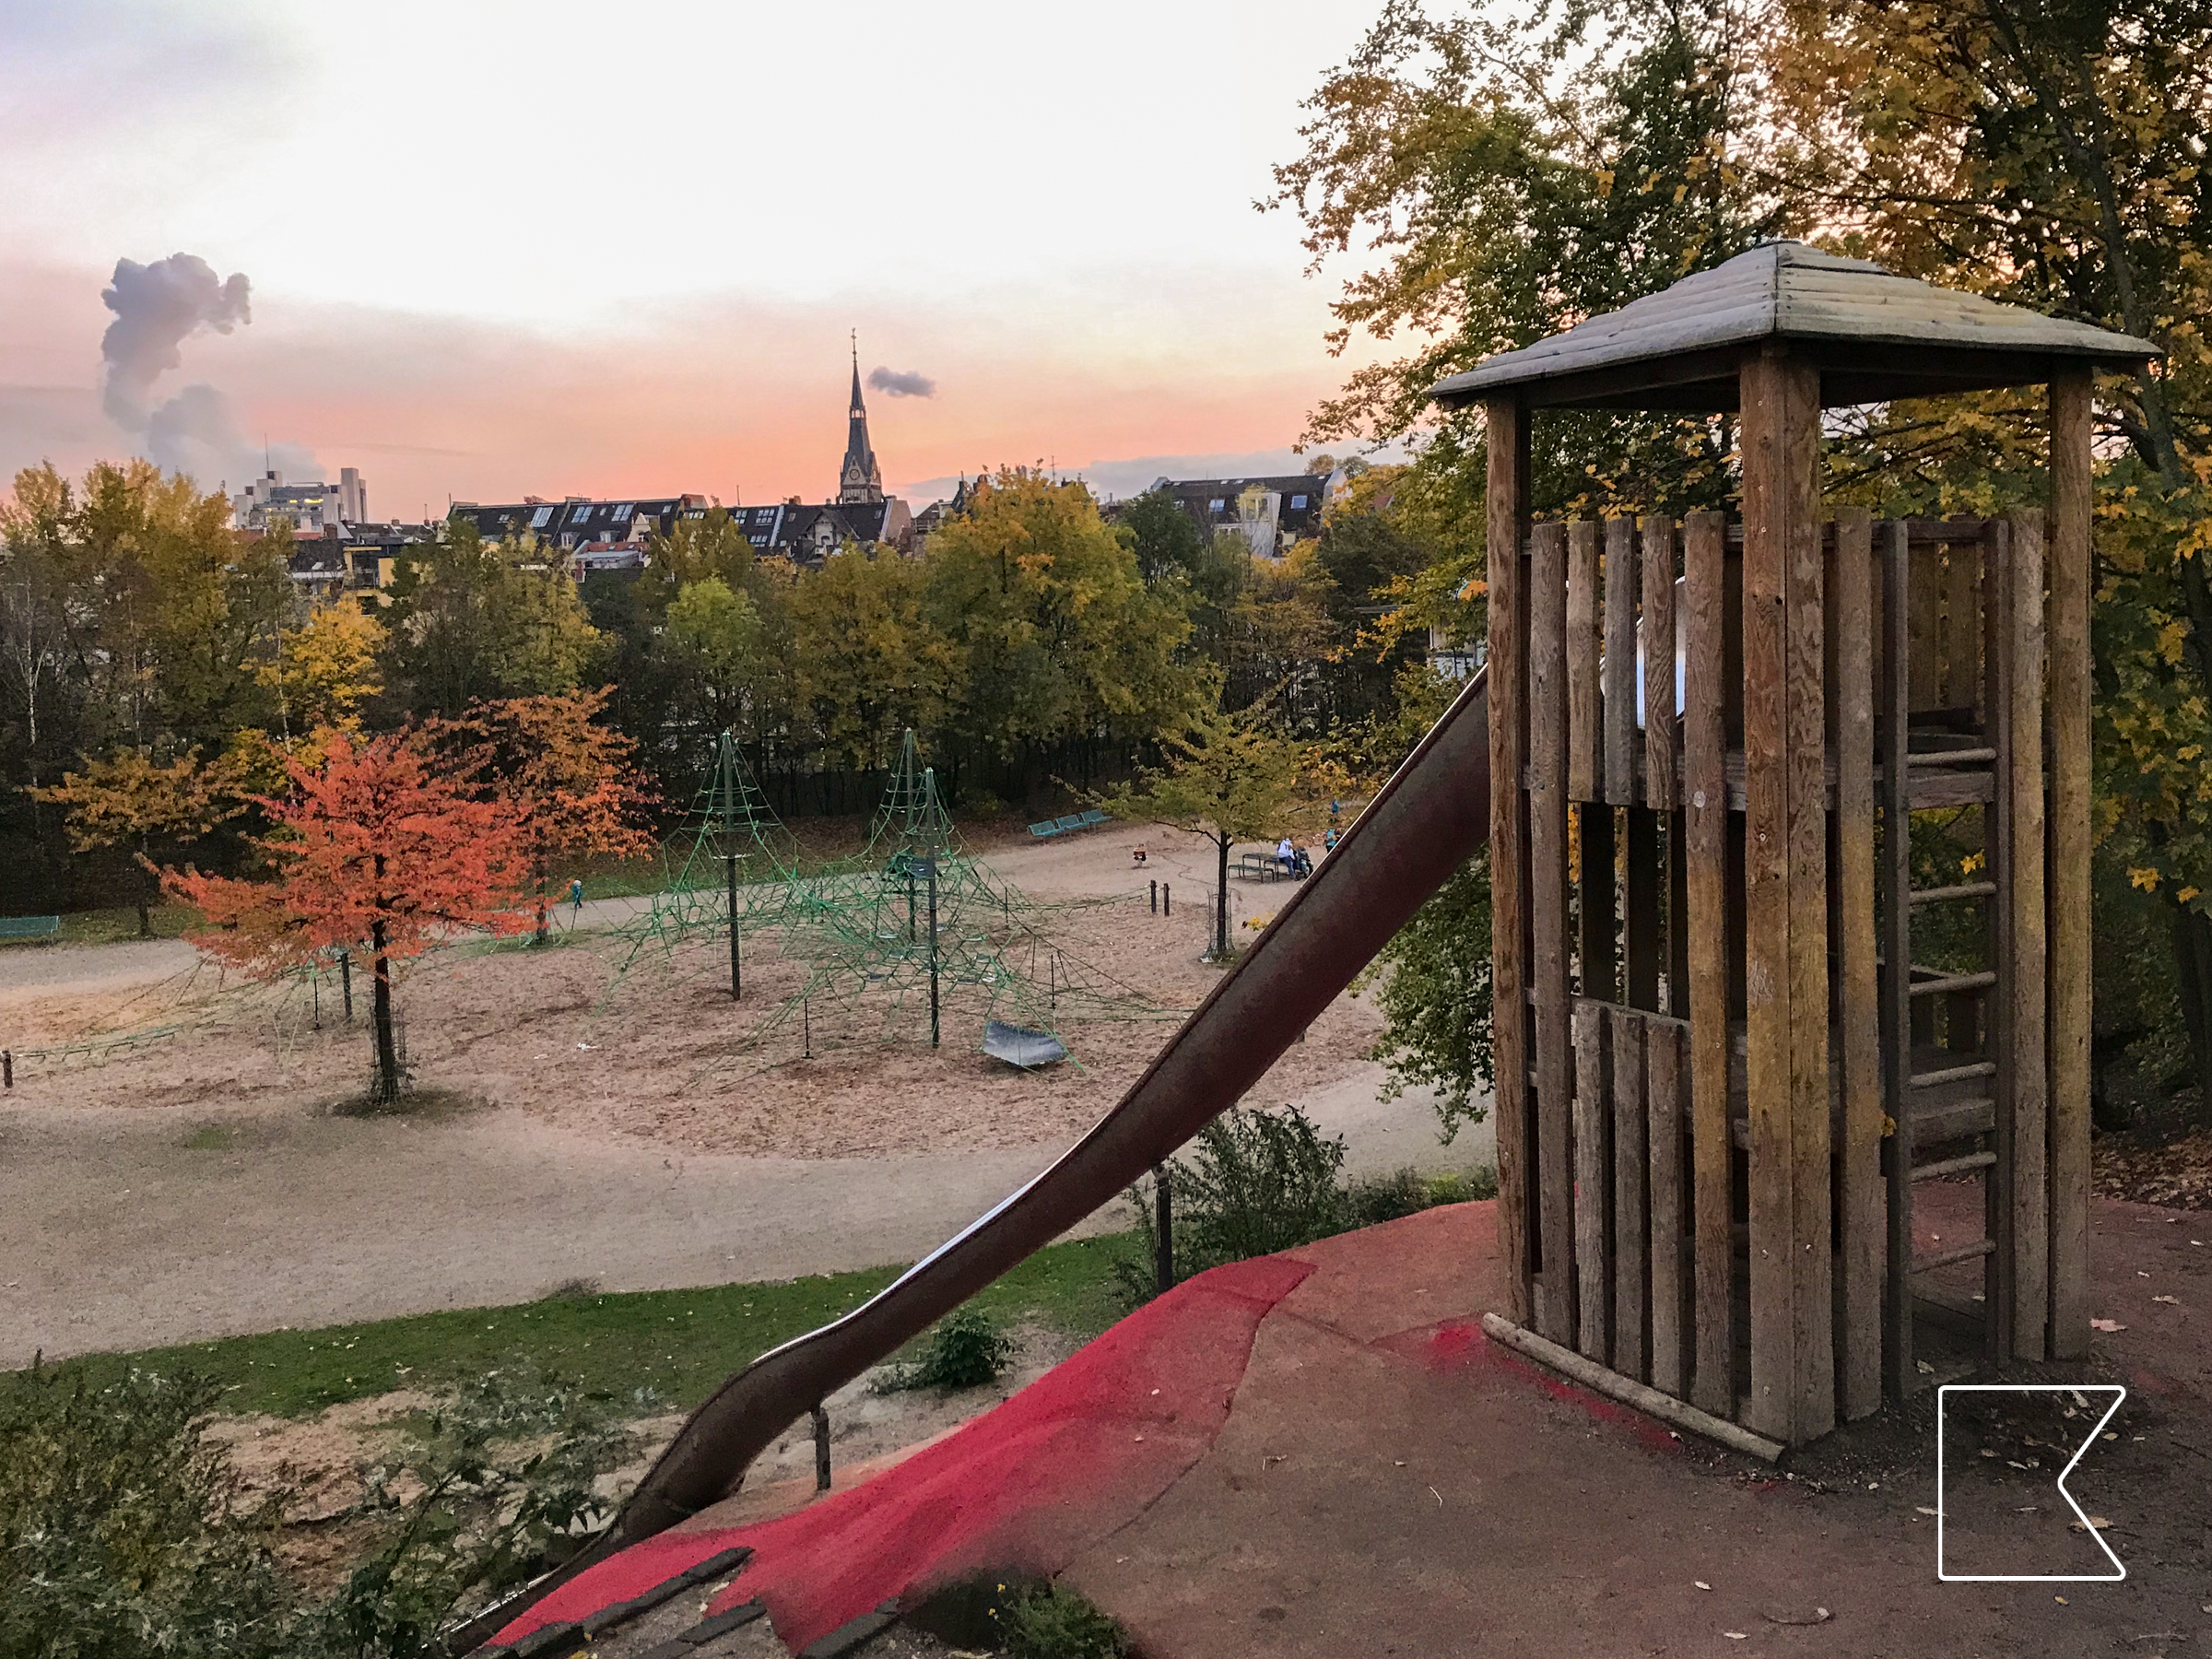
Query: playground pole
(932,952)
(1163,1232)
(729,853)
(346,982)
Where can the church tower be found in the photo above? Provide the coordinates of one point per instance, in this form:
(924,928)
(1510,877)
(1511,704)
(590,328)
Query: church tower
(860,479)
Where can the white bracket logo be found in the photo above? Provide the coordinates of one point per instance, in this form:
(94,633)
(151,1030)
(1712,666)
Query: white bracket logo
(1942,1396)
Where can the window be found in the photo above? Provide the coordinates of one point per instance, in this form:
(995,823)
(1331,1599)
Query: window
(623,513)
(1298,503)
(541,518)
(577,514)
(1216,504)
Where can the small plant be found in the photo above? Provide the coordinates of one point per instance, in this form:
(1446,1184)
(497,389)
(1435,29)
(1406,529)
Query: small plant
(967,1348)
(1053,1621)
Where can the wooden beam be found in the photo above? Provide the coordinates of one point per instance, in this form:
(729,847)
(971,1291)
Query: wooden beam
(1659,688)
(1546,897)
(1705,880)
(1585,749)
(1631,1215)
(1895,696)
(1858,1000)
(2069,873)
(1508,716)
(1593,1183)
(1663,1094)
(1622,585)
(2028,969)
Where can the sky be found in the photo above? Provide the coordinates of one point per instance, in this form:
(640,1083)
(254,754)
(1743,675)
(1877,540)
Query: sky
(495,249)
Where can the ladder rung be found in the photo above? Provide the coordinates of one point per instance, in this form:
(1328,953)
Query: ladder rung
(1968,757)
(1944,895)
(1955,1166)
(1954,1074)
(1953,981)
(1957,1253)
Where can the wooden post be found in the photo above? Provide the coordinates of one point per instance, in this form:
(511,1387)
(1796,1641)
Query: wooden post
(1859,991)
(1786,903)
(1593,1183)
(1508,716)
(1622,585)
(1895,699)
(1586,749)
(2028,969)
(1546,898)
(1663,1091)
(1632,1241)
(1659,665)
(2069,873)
(1705,845)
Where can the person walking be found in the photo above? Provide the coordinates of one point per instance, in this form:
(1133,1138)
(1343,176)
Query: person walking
(575,900)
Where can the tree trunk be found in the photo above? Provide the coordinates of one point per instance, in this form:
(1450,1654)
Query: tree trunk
(2192,980)
(385,1090)
(1222,903)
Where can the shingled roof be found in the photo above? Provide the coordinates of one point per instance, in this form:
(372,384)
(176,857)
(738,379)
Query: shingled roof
(1873,334)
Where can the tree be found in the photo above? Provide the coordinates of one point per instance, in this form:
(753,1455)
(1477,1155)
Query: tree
(325,669)
(715,636)
(127,799)
(568,781)
(474,621)
(1229,780)
(870,662)
(372,844)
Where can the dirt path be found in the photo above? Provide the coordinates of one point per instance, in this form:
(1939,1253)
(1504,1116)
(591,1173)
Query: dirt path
(205,1189)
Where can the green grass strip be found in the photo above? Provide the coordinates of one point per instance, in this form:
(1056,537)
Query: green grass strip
(677,1343)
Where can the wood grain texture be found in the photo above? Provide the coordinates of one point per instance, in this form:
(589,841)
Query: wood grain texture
(2068,878)
(1586,749)
(1669,1246)
(1546,897)
(1657,564)
(1705,881)
(2025,974)
(1623,587)
(1507,716)
(1894,696)
(1858,1000)
(1593,1183)
(1996,821)
(1962,626)
(1632,1219)
(1811,1107)
(1924,640)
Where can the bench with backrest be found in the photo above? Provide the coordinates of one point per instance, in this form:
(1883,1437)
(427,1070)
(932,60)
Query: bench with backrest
(1045,830)
(29,927)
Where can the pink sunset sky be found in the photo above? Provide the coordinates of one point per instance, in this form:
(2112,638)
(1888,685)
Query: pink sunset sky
(498,250)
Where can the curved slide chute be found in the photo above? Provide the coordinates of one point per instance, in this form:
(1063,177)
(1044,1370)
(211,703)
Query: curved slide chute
(1433,814)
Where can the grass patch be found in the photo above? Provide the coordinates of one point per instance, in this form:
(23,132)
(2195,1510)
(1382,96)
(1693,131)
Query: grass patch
(211,1137)
(677,1343)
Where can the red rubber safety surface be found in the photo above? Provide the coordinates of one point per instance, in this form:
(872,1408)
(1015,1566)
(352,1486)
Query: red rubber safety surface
(1025,1487)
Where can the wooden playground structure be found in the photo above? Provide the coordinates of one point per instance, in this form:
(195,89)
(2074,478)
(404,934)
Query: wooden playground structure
(1710,742)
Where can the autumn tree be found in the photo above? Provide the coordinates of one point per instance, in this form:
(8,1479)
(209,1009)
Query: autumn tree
(713,636)
(1228,779)
(129,800)
(872,663)
(375,844)
(568,781)
(474,619)
(325,669)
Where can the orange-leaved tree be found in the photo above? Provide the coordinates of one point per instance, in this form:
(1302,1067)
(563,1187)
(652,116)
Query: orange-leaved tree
(568,781)
(378,845)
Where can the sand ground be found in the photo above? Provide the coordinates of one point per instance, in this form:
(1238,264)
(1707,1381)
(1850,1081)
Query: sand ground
(597,1124)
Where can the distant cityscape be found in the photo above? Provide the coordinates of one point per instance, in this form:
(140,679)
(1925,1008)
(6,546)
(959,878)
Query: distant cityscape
(339,547)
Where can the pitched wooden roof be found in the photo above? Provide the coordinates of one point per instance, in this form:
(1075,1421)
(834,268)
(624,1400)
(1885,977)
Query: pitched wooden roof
(1875,336)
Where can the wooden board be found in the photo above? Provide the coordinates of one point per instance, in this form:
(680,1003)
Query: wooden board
(1925,635)
(1659,688)
(1662,1148)
(1546,897)
(2068,878)
(1705,882)
(1962,626)
(1631,1221)
(1622,586)
(2030,965)
(1507,717)
(1894,696)
(1996,821)
(1593,1183)
(1858,1000)
(1585,751)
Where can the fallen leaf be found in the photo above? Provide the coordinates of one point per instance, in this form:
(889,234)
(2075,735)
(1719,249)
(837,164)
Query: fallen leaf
(2106,1325)
(2098,1522)
(1921,1509)
(2171,1301)
(1926,1368)
(1737,1635)
(1701,1584)
(1818,1616)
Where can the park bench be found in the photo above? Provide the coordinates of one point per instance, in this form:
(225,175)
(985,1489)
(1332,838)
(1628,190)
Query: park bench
(1259,866)
(1068,825)
(1045,830)
(29,927)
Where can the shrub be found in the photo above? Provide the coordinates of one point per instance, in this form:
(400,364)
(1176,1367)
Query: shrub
(1054,1622)
(967,1348)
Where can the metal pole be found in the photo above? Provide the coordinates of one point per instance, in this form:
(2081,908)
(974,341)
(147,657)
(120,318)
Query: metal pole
(1155,898)
(932,953)
(1163,1230)
(1167,905)
(730,864)
(821,1449)
(346,982)
(729,850)
(807,1025)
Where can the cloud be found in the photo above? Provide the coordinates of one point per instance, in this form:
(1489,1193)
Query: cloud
(899,382)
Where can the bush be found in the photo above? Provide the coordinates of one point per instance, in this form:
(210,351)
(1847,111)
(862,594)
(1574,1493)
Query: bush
(967,1348)
(1054,1622)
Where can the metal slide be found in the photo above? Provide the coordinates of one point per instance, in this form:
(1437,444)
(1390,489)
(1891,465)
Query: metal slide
(1424,823)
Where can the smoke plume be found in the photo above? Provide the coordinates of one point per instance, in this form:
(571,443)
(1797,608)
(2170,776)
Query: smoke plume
(158,307)
(899,382)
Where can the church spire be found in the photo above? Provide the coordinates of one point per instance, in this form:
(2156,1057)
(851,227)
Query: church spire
(859,479)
